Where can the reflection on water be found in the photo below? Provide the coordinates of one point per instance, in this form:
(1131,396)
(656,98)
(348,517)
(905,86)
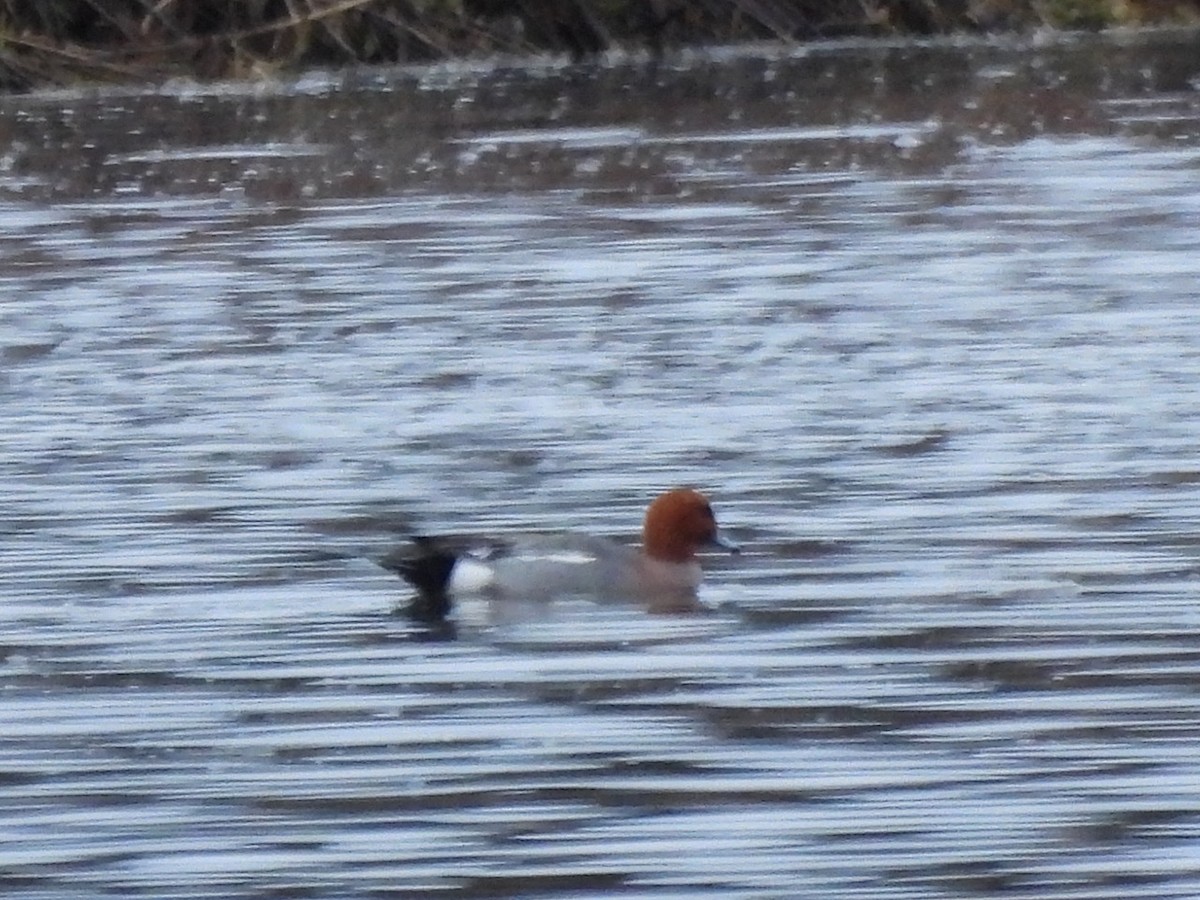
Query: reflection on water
(922,322)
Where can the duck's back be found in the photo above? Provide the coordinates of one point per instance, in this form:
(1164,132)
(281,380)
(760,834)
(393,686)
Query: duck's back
(547,565)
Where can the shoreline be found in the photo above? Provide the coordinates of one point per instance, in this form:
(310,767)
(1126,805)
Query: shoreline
(73,43)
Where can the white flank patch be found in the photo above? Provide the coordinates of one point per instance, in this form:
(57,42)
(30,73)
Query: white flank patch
(470,576)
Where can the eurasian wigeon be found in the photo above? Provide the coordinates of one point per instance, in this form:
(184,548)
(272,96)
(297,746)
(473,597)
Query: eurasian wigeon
(664,572)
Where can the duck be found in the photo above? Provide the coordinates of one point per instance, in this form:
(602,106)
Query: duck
(664,572)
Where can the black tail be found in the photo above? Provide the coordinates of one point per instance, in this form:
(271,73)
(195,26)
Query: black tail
(426,566)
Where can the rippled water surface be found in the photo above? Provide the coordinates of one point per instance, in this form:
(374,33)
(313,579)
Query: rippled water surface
(923,320)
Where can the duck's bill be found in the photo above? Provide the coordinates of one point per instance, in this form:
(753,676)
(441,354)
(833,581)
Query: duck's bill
(719,540)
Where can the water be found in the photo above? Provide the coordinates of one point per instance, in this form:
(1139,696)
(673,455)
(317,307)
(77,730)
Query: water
(921,319)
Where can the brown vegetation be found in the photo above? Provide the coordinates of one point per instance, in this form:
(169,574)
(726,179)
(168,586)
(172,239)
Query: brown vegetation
(60,41)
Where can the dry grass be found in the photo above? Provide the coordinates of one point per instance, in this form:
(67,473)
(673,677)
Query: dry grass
(60,41)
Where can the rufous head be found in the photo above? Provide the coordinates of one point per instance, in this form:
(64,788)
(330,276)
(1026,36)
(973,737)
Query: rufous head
(678,523)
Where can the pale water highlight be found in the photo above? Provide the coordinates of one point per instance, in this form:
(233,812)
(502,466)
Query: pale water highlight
(921,320)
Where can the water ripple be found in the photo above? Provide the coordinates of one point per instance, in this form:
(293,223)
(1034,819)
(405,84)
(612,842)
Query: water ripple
(925,331)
